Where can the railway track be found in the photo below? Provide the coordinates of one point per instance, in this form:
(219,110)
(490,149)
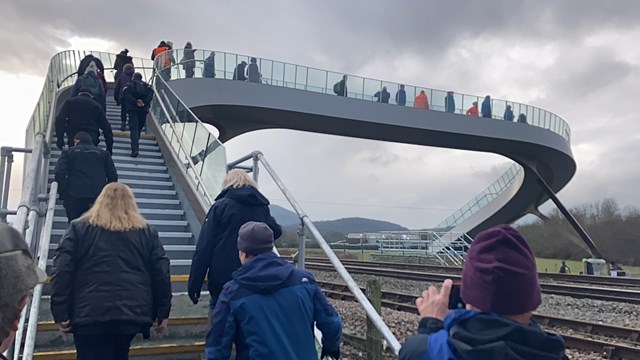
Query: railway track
(577,291)
(614,342)
(569,278)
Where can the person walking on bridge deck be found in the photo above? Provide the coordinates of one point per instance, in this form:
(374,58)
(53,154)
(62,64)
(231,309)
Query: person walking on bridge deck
(449,103)
(209,68)
(383,96)
(486,107)
(82,172)
(188,60)
(473,110)
(401,96)
(239,71)
(270,308)
(253,71)
(500,289)
(421,101)
(340,88)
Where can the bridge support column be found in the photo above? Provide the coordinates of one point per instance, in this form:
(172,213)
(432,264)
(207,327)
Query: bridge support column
(572,220)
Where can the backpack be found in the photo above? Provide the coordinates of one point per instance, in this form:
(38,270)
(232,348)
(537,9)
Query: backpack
(337,88)
(93,84)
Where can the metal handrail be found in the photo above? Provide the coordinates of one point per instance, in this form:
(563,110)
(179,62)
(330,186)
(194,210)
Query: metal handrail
(43,257)
(373,315)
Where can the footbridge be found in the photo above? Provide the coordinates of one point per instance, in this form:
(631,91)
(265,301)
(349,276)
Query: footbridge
(182,163)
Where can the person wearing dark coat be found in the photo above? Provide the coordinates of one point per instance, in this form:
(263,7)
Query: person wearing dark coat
(496,322)
(82,113)
(137,96)
(110,278)
(522,118)
(209,68)
(253,72)
(382,96)
(340,88)
(118,93)
(189,60)
(401,96)
(449,103)
(239,72)
(84,63)
(82,172)
(216,254)
(94,83)
(485,110)
(122,59)
(508,114)
(270,308)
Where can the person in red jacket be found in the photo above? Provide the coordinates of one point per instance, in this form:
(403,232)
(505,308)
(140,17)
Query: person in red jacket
(473,110)
(422,101)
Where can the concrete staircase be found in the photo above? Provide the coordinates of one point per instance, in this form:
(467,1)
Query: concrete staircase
(156,195)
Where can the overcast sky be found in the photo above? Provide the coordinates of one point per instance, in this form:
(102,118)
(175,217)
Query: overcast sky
(577,58)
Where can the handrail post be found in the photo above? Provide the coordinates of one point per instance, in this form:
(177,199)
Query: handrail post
(5,176)
(376,319)
(30,180)
(43,256)
(301,247)
(256,168)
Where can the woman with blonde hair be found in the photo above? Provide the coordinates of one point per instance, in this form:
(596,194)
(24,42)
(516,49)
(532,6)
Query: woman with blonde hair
(217,252)
(110,277)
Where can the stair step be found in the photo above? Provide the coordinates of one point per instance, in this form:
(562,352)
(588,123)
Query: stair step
(149,214)
(121,151)
(60,222)
(135,175)
(135,167)
(166,237)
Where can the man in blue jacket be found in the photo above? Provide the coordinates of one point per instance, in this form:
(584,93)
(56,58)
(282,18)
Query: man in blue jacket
(501,290)
(270,308)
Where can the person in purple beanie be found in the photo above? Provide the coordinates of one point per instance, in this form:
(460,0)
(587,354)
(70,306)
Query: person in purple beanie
(500,290)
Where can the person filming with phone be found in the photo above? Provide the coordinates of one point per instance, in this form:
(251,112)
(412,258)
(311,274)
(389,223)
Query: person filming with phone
(489,314)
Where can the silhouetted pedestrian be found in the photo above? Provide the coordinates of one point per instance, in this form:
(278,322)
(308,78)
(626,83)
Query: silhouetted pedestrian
(118,93)
(486,107)
(522,118)
(253,72)
(383,95)
(421,101)
(209,69)
(82,113)
(189,60)
(473,110)
(401,96)
(239,72)
(508,113)
(137,97)
(340,88)
(122,59)
(449,102)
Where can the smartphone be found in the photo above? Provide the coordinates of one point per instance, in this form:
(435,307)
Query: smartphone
(455,301)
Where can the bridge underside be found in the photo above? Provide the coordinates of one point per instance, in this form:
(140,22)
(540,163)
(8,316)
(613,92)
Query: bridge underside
(235,108)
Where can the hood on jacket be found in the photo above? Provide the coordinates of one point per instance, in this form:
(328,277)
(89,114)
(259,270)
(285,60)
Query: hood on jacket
(128,69)
(247,195)
(490,336)
(264,274)
(92,68)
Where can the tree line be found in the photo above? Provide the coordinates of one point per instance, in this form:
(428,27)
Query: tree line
(614,230)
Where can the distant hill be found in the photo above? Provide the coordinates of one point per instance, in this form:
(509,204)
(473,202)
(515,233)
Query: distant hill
(283,216)
(356,224)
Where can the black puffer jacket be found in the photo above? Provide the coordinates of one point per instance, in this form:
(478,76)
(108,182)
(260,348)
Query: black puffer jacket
(101,276)
(217,248)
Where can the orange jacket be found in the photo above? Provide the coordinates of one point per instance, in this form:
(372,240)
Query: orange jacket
(473,110)
(421,102)
(164,60)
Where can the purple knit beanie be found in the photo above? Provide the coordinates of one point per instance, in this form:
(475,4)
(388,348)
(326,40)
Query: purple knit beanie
(499,274)
(255,238)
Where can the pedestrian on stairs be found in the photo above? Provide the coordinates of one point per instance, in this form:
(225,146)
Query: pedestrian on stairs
(82,113)
(118,93)
(92,82)
(18,276)
(122,59)
(110,278)
(82,172)
(217,251)
(270,308)
(137,96)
